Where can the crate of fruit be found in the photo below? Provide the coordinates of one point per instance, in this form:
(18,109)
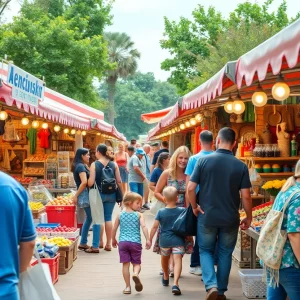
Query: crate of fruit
(53,266)
(70,233)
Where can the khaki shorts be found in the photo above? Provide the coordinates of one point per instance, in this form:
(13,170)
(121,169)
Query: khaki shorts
(172,250)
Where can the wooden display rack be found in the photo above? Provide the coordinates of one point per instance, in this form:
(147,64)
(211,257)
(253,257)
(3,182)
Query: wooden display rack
(67,256)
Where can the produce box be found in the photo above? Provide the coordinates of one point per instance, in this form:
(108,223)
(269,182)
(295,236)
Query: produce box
(66,258)
(37,213)
(38,193)
(53,266)
(75,249)
(63,214)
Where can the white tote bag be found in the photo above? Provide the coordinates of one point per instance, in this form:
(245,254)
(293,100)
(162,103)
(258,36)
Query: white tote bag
(156,205)
(96,205)
(36,283)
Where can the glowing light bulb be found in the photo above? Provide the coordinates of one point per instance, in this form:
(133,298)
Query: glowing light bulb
(25,121)
(56,128)
(35,124)
(45,125)
(3,115)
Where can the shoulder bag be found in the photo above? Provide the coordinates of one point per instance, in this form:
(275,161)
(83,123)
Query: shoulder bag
(186,223)
(271,242)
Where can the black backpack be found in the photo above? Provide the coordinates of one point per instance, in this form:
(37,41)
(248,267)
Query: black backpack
(107,183)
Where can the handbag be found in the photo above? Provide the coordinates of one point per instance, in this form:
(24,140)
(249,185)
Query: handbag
(119,195)
(36,284)
(156,205)
(271,242)
(83,199)
(96,205)
(186,223)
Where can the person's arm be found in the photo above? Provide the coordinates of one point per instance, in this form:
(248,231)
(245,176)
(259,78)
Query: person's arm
(81,188)
(188,172)
(114,232)
(145,231)
(153,230)
(127,161)
(187,200)
(152,186)
(247,205)
(25,253)
(294,238)
(117,174)
(92,177)
(27,239)
(161,184)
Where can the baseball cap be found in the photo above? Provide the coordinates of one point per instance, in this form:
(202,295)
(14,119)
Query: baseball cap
(139,151)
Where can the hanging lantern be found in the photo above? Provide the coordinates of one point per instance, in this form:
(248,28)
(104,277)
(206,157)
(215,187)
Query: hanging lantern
(182,126)
(3,115)
(228,106)
(173,130)
(73,131)
(35,124)
(238,107)
(280,90)
(83,132)
(25,121)
(259,98)
(45,125)
(98,133)
(193,121)
(66,130)
(187,124)
(56,128)
(199,118)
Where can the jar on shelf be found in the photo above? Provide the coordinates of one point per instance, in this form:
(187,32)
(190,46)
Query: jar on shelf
(276,150)
(263,151)
(257,150)
(269,151)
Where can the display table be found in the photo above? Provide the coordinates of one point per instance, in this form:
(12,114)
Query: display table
(253,242)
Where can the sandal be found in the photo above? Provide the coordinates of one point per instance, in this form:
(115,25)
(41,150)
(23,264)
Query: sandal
(138,283)
(92,250)
(84,247)
(107,248)
(127,291)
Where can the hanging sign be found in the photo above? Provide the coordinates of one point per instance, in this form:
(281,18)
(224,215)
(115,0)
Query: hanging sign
(25,87)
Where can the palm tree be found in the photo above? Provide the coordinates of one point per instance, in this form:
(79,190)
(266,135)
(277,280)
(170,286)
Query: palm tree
(122,53)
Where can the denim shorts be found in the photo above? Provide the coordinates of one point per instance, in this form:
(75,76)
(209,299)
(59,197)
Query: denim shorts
(130,252)
(123,174)
(172,250)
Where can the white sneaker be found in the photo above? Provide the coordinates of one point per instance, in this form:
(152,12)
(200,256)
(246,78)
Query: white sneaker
(196,271)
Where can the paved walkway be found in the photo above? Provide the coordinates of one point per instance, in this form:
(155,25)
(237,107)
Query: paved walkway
(99,276)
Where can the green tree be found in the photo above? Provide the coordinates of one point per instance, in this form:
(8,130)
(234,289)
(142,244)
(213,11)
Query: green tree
(192,42)
(51,47)
(136,95)
(123,55)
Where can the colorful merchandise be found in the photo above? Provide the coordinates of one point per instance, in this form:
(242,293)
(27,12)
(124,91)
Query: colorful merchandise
(31,135)
(43,135)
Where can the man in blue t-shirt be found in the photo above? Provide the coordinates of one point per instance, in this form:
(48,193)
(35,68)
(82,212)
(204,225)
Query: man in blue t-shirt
(17,229)
(224,181)
(206,141)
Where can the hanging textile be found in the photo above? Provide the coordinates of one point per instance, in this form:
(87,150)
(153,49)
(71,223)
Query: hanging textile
(31,135)
(6,160)
(10,132)
(43,135)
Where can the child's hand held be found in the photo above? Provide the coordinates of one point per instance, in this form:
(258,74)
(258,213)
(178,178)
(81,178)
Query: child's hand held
(114,243)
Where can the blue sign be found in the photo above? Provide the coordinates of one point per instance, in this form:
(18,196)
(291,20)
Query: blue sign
(25,87)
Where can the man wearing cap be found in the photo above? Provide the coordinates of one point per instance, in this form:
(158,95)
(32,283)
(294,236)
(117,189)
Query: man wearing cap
(136,176)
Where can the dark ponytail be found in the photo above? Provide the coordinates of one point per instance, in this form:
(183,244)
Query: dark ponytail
(102,149)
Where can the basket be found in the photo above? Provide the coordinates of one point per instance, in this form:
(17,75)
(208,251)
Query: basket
(252,284)
(53,266)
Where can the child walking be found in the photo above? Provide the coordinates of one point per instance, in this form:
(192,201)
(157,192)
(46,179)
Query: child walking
(130,245)
(169,242)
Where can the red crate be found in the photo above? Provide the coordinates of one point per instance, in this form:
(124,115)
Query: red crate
(63,214)
(53,266)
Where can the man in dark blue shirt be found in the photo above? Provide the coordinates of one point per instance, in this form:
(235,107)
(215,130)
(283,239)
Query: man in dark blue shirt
(17,229)
(164,148)
(223,179)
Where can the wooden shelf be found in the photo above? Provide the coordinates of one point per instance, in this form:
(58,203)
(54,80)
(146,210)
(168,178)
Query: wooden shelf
(34,161)
(293,158)
(28,174)
(281,174)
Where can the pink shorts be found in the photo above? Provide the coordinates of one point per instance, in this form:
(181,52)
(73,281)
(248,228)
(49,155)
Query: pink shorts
(172,250)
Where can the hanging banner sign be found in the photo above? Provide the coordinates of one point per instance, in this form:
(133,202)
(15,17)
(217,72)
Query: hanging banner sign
(25,87)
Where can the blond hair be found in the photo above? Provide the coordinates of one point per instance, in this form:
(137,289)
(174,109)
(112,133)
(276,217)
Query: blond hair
(170,193)
(173,160)
(291,181)
(130,197)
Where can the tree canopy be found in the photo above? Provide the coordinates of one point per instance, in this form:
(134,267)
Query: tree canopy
(62,42)
(136,95)
(200,47)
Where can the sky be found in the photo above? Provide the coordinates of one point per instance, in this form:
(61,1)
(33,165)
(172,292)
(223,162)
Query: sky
(143,21)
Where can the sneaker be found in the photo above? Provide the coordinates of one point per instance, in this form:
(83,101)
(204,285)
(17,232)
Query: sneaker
(221,297)
(146,206)
(196,271)
(176,290)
